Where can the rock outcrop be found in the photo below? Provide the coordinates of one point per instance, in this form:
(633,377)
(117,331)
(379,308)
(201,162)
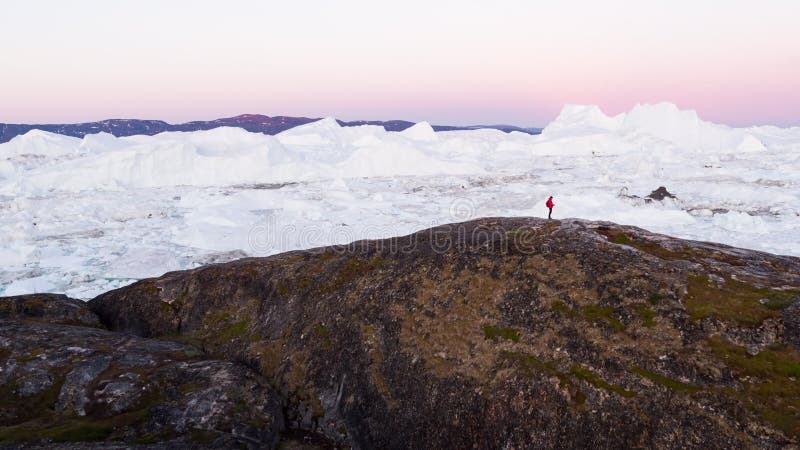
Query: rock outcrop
(48,308)
(500,333)
(65,379)
(660,194)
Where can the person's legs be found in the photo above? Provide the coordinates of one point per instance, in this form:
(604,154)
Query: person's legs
(550,213)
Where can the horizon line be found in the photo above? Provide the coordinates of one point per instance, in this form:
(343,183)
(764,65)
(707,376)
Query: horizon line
(312,118)
(432,123)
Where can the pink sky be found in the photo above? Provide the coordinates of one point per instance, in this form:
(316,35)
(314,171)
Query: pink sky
(457,62)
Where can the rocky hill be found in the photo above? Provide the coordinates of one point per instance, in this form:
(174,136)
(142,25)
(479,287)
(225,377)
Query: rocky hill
(495,333)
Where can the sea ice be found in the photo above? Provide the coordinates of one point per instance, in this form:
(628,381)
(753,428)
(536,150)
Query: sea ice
(81,216)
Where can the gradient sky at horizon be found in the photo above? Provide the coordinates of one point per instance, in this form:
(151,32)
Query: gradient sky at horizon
(447,62)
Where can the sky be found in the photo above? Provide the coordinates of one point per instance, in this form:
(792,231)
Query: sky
(447,62)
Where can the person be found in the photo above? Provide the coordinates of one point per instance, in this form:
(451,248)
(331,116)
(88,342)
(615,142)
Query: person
(550,205)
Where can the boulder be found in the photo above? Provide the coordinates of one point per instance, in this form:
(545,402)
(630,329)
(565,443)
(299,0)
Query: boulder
(51,308)
(63,381)
(660,194)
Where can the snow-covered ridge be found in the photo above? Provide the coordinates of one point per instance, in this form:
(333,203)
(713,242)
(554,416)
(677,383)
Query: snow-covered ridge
(41,161)
(683,129)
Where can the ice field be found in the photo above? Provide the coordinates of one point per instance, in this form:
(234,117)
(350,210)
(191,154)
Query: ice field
(82,216)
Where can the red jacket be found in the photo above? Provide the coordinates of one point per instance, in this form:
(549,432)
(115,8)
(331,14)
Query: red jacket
(550,203)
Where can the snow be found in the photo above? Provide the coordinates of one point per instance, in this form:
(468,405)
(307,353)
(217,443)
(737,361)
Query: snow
(41,143)
(575,120)
(422,131)
(82,216)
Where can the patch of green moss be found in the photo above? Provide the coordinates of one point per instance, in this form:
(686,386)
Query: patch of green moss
(353,269)
(46,399)
(321,332)
(282,289)
(521,237)
(204,437)
(78,432)
(653,248)
(667,382)
(579,397)
(182,298)
(37,420)
(559,306)
(251,272)
(647,315)
(30,356)
(147,439)
(287,286)
(150,289)
(220,328)
(509,334)
(686,253)
(781,301)
(776,361)
(21,433)
(662,252)
(622,239)
(37,405)
(75,323)
(164,435)
(64,431)
(243,412)
(166,307)
(190,387)
(192,352)
(593,313)
(769,384)
(326,256)
(654,299)
(530,365)
(734,300)
(16,434)
(233,330)
(584,374)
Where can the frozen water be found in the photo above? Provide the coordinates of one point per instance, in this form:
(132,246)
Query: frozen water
(82,216)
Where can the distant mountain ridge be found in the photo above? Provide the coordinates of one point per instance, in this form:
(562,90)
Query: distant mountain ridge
(251,122)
